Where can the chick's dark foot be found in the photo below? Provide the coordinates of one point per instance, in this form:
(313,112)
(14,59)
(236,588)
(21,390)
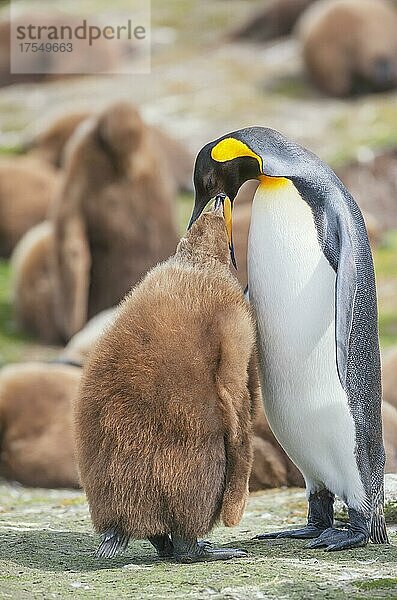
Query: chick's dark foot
(113,543)
(163,545)
(190,551)
(340,539)
(304,533)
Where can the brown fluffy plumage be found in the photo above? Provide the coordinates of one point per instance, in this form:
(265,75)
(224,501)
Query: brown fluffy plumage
(33,284)
(350,46)
(276,19)
(390,436)
(271,467)
(37,447)
(50,142)
(27,188)
(374,185)
(163,421)
(113,218)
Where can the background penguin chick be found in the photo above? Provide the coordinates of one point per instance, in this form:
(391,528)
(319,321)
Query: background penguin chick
(390,436)
(276,19)
(373,184)
(113,218)
(33,283)
(37,447)
(389,378)
(81,344)
(178,160)
(350,46)
(27,188)
(164,418)
(50,142)
(271,467)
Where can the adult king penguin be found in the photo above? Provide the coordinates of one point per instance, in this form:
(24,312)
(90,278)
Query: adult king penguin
(312,285)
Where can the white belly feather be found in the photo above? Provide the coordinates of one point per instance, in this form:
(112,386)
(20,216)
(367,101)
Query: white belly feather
(292,289)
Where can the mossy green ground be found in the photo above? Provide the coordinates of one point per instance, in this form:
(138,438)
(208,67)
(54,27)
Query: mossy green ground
(47,546)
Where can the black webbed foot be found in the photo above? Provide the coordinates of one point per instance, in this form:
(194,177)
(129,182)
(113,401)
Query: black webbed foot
(304,533)
(163,545)
(353,536)
(339,539)
(190,551)
(113,543)
(319,518)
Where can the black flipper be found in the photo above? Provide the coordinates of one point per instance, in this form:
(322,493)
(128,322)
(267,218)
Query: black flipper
(113,543)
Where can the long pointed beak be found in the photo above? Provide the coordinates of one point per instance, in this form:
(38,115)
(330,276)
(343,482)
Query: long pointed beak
(195,214)
(227,213)
(225,201)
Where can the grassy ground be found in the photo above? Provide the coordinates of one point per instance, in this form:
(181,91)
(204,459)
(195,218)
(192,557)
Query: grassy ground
(47,545)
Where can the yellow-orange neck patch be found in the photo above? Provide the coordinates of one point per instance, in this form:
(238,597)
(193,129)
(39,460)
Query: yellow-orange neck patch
(230,148)
(273,182)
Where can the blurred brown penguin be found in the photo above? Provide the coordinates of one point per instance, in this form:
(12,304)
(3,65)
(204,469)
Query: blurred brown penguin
(33,284)
(36,434)
(164,417)
(27,188)
(390,436)
(276,19)
(350,46)
(374,185)
(271,466)
(113,218)
(50,141)
(389,378)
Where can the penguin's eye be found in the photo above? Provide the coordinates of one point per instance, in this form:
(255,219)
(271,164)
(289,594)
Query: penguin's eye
(210,183)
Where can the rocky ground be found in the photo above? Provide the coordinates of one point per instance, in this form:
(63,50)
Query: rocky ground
(47,545)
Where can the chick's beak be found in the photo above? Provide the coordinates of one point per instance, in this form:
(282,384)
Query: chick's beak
(227,215)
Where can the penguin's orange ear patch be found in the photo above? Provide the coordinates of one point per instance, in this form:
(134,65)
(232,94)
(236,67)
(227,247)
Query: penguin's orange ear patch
(230,148)
(273,182)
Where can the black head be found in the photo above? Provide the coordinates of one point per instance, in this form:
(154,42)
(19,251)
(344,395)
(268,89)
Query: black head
(213,177)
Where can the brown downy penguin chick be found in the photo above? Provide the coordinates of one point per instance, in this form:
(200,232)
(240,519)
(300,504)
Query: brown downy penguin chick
(113,218)
(50,142)
(27,188)
(374,185)
(350,46)
(36,430)
(33,284)
(82,343)
(164,415)
(177,158)
(271,466)
(276,19)
(390,436)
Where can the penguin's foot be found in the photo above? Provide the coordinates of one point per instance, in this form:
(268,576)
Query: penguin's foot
(304,533)
(113,543)
(163,545)
(190,551)
(319,518)
(354,536)
(340,539)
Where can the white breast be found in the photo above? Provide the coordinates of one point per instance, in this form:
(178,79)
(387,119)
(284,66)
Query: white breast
(292,289)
